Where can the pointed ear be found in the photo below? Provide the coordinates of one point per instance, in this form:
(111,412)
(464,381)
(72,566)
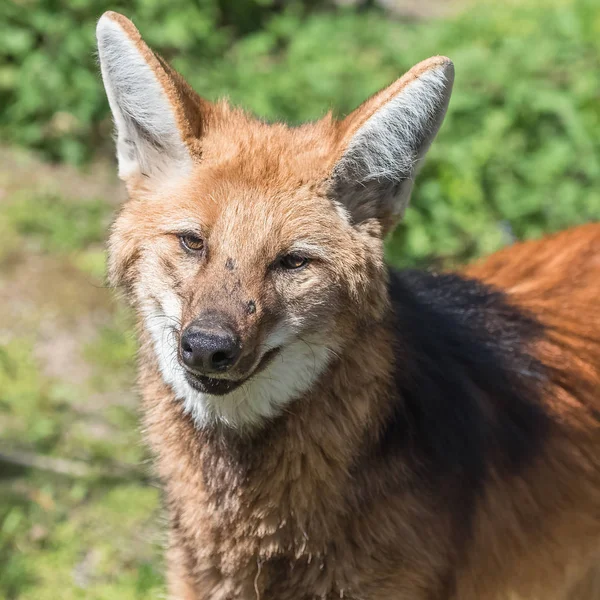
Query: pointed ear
(158,117)
(384,140)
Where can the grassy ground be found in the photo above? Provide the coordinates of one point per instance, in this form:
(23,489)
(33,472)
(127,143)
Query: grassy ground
(82,520)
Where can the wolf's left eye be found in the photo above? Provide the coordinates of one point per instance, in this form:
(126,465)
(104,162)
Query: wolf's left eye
(191,243)
(293,261)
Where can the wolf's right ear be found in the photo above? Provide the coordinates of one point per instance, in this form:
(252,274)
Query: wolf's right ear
(158,117)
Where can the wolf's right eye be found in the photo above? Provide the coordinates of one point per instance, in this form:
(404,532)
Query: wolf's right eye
(292,261)
(191,243)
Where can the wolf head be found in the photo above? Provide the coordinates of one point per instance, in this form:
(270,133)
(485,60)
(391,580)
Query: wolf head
(253,253)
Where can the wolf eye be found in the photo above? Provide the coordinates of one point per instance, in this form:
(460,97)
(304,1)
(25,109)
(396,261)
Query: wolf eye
(191,243)
(293,261)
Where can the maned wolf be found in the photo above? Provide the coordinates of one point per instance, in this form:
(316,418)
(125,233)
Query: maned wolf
(325,427)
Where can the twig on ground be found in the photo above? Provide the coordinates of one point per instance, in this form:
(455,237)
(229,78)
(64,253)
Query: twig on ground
(73,468)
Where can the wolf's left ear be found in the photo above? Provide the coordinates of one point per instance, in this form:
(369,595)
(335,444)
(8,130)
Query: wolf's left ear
(158,117)
(384,140)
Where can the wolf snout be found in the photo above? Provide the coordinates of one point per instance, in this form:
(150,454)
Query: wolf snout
(208,347)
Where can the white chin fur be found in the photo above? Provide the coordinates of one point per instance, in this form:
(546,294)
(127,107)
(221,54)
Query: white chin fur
(291,373)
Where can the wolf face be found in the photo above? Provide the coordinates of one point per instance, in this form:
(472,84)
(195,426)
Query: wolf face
(253,253)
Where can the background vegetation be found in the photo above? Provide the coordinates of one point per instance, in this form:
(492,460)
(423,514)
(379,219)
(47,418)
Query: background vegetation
(519,155)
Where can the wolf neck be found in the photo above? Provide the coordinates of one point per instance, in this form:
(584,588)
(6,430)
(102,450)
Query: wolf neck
(289,474)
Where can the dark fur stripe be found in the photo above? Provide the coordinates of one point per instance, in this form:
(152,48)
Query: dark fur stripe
(469,391)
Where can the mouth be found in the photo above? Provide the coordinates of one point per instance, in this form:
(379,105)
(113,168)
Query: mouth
(221,386)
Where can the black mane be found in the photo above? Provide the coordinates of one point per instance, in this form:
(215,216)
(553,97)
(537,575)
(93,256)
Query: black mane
(468,390)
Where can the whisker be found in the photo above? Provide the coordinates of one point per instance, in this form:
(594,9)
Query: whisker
(312,351)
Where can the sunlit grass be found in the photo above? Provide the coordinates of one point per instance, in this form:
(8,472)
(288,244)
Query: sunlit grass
(85,525)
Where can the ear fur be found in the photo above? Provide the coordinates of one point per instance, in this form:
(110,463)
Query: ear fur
(158,117)
(384,140)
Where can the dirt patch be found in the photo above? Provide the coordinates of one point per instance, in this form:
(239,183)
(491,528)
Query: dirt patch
(45,297)
(20,170)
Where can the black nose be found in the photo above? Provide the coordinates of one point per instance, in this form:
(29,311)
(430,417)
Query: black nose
(209,348)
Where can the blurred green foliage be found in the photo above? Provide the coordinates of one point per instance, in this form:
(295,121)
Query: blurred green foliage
(50,88)
(517,156)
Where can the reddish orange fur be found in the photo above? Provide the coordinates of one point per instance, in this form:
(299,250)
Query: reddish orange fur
(536,535)
(282,515)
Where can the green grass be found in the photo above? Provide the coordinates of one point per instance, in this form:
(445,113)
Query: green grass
(94,532)
(78,539)
(85,536)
